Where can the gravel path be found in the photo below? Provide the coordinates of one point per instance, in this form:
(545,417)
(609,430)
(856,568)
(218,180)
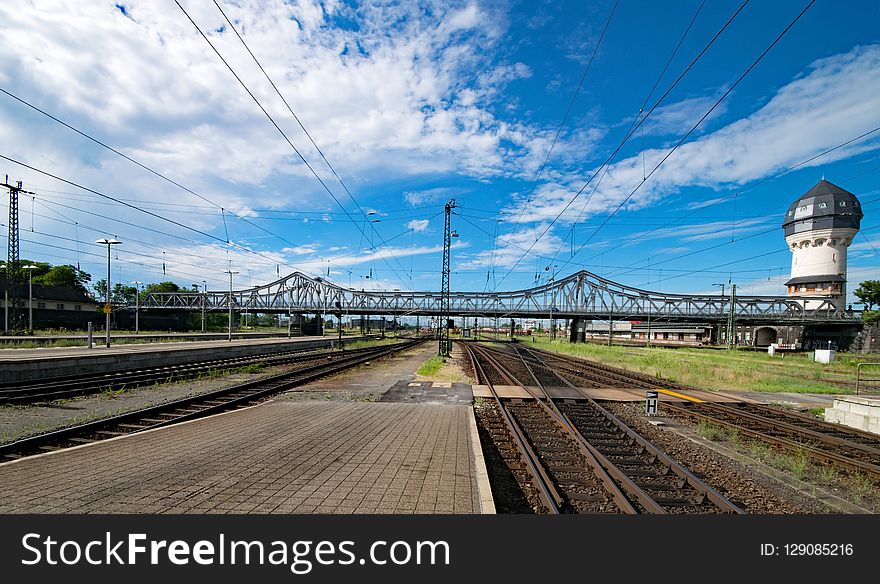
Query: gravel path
(750,490)
(21,421)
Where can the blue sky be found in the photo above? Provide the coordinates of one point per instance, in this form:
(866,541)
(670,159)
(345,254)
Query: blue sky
(420,102)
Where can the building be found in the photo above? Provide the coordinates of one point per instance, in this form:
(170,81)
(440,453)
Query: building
(819,226)
(54,306)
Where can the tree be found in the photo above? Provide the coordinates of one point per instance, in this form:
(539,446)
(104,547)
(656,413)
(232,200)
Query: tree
(123,294)
(161,287)
(67,276)
(869,293)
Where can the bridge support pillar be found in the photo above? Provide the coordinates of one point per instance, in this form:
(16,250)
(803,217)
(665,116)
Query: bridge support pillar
(573,331)
(512,329)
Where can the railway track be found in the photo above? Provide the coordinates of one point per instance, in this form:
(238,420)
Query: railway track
(238,396)
(53,388)
(824,442)
(823,447)
(577,457)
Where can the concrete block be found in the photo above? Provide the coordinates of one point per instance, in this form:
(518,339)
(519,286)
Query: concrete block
(862,409)
(855,421)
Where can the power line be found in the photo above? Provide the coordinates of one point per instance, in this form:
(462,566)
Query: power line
(135,207)
(140,164)
(564,119)
(274,123)
(298,121)
(759,183)
(679,256)
(636,119)
(638,125)
(703,118)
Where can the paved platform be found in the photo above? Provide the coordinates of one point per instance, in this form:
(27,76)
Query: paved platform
(432,392)
(278,457)
(860,412)
(30,364)
(99,350)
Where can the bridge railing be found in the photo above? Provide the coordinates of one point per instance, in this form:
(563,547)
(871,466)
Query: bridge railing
(580,295)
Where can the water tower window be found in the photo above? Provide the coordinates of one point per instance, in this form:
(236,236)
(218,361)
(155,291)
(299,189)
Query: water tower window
(823,205)
(842,204)
(803,208)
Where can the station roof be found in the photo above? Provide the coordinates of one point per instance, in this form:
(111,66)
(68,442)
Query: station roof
(815,279)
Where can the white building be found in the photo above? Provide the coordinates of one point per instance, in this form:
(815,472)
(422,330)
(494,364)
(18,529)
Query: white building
(819,226)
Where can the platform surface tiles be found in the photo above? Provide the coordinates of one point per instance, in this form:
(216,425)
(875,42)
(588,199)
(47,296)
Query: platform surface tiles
(279,457)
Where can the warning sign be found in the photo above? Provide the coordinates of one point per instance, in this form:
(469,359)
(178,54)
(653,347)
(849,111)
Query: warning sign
(106,309)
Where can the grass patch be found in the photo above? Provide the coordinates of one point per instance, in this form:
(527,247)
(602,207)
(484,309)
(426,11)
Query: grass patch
(252,368)
(711,431)
(431,366)
(715,369)
(795,463)
(370,343)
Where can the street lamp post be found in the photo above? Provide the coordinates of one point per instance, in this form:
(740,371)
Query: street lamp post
(5,301)
(30,268)
(722,303)
(204,302)
(137,307)
(230,272)
(109,243)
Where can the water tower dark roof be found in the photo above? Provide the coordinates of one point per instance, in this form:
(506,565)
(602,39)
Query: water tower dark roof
(824,206)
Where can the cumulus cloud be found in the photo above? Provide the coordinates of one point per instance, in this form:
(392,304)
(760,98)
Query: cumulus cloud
(510,247)
(417,224)
(426,197)
(833,101)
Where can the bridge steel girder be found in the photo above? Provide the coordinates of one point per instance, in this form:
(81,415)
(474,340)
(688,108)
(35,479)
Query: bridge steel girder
(582,295)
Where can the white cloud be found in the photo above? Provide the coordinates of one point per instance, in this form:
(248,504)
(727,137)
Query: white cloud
(510,247)
(418,224)
(409,89)
(679,117)
(834,100)
(416,198)
(307,249)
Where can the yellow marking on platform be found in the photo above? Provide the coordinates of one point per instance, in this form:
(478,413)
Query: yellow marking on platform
(681,395)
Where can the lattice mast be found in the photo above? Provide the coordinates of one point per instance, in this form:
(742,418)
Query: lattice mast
(14,279)
(443,325)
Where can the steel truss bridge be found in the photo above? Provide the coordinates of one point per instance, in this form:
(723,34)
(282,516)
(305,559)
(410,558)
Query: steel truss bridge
(582,295)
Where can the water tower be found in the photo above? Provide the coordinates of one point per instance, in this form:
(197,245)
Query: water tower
(819,226)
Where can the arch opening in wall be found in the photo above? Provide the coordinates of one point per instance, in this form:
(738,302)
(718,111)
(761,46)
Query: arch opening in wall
(765,336)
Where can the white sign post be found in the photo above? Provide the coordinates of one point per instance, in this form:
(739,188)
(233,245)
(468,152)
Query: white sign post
(651,403)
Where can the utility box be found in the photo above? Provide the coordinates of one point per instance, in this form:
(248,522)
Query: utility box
(824,355)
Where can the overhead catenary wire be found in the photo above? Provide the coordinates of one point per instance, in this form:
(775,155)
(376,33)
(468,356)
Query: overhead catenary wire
(635,120)
(275,125)
(632,268)
(268,260)
(749,188)
(301,125)
(637,126)
(137,208)
(143,166)
(564,118)
(700,121)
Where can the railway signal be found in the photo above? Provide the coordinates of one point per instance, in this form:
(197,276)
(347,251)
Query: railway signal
(651,403)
